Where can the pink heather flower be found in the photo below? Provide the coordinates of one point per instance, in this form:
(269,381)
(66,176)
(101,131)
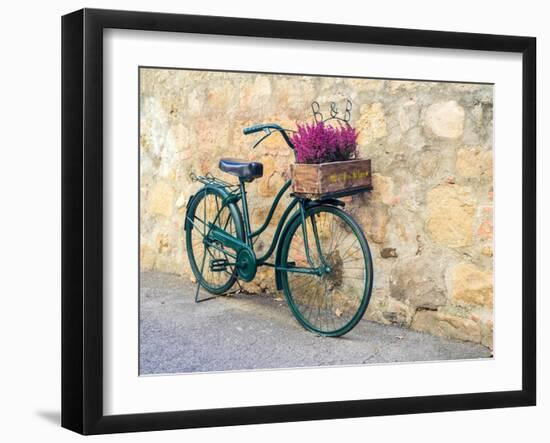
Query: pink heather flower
(320,143)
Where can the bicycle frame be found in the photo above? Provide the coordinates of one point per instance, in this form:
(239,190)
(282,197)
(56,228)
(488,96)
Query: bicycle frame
(251,235)
(216,234)
(238,192)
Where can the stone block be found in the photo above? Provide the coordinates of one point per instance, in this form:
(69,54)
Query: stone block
(374,219)
(410,281)
(444,120)
(386,310)
(451,211)
(161,199)
(472,286)
(428,162)
(371,123)
(446,325)
(474,162)
(382,189)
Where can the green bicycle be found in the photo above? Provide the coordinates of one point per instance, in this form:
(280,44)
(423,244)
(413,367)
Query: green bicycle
(322,261)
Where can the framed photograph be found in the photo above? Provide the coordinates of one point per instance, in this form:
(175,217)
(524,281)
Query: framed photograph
(269,221)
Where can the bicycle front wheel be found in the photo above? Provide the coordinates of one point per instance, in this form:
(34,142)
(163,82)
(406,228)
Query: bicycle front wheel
(333,303)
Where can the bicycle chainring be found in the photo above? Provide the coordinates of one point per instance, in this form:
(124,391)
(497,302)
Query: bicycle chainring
(246,264)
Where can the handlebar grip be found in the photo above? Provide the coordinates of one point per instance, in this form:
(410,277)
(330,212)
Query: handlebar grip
(253,129)
(267,126)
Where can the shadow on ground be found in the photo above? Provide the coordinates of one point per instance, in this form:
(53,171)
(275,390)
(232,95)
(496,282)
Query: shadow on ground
(53,417)
(240,332)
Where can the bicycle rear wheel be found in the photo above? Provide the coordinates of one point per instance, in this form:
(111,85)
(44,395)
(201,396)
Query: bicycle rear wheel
(210,265)
(331,304)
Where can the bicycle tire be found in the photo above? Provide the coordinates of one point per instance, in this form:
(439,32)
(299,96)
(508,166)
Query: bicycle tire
(304,293)
(231,218)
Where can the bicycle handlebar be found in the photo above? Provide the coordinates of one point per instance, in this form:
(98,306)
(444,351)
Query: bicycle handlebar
(254,128)
(267,126)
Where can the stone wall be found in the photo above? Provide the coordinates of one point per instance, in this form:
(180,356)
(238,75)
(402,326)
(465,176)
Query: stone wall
(429,220)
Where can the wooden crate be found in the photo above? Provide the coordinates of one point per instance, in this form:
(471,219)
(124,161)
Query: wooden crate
(324,179)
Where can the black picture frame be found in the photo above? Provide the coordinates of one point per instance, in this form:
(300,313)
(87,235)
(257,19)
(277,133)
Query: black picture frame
(82,219)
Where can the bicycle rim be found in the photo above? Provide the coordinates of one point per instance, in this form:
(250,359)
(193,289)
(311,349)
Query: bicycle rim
(205,206)
(334,303)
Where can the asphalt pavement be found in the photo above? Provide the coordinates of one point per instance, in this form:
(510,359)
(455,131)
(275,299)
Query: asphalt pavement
(257,331)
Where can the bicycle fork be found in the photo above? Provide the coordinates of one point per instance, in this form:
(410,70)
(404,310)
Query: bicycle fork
(324,268)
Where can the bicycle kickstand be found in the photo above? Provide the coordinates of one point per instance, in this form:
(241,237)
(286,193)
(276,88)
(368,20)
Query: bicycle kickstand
(197,300)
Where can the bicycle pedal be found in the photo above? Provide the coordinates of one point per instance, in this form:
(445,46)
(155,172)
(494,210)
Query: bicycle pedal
(218,265)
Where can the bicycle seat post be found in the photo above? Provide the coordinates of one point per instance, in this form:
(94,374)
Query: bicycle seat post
(246,218)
